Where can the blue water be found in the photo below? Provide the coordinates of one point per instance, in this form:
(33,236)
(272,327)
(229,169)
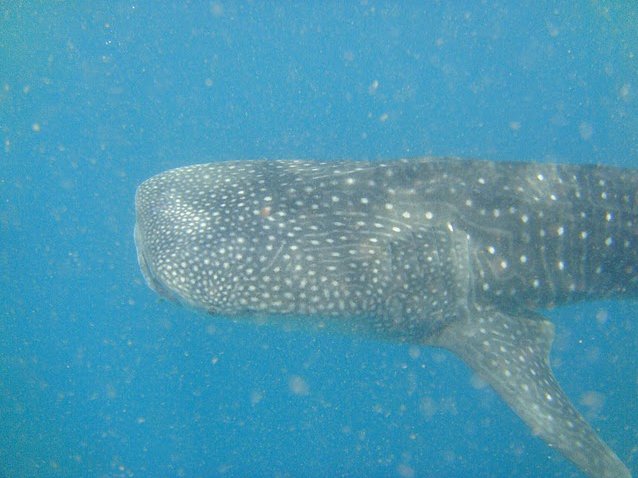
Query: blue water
(99,377)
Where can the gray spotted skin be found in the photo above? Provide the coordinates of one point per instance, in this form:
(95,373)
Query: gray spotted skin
(445,252)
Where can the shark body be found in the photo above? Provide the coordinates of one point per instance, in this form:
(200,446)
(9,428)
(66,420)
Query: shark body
(459,254)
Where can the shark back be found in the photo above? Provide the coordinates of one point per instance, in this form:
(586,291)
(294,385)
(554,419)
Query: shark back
(546,235)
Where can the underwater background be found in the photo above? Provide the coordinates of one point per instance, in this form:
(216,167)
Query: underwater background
(99,377)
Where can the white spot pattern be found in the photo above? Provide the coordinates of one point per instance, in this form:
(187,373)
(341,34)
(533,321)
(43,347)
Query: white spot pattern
(398,250)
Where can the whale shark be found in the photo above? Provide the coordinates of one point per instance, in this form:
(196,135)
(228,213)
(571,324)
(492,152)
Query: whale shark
(445,252)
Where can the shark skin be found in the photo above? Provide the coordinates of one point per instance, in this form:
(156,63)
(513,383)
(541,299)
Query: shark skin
(443,252)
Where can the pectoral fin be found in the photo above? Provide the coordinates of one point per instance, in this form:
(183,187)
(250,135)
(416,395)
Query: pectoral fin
(512,354)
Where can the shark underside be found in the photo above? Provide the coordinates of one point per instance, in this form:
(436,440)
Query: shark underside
(459,254)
